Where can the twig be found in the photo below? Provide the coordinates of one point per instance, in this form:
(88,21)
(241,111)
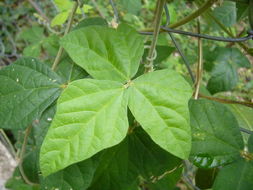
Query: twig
(21,157)
(8,142)
(115,11)
(158,16)
(199,67)
(192,16)
(70,21)
(226,101)
(186,62)
(37,8)
(97,7)
(204,36)
(195,14)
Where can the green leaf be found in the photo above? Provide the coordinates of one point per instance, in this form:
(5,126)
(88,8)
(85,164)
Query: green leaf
(51,45)
(131,6)
(91,116)
(159,102)
(63,5)
(69,71)
(232,56)
(223,78)
(244,117)
(77,176)
(93,21)
(32,50)
(33,34)
(205,177)
(137,155)
(216,138)
(236,176)
(168,181)
(149,159)
(16,183)
(27,88)
(226,13)
(106,53)
(60,18)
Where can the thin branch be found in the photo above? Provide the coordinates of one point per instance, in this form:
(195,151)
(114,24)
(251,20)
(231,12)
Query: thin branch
(186,62)
(195,14)
(21,157)
(37,8)
(70,21)
(192,16)
(199,67)
(8,142)
(204,36)
(246,131)
(226,101)
(98,9)
(158,17)
(115,11)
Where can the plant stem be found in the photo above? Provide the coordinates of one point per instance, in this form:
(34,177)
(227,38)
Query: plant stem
(12,149)
(70,21)
(200,66)
(158,16)
(21,157)
(194,15)
(37,8)
(226,101)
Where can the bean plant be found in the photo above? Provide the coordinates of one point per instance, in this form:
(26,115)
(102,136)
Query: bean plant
(131,105)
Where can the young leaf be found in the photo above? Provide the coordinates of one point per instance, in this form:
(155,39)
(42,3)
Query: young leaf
(60,18)
(216,138)
(224,78)
(27,88)
(91,115)
(105,53)
(226,13)
(236,176)
(159,102)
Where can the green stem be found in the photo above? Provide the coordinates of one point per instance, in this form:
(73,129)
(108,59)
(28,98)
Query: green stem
(70,21)
(190,17)
(226,101)
(194,15)
(200,65)
(158,17)
(21,157)
(12,149)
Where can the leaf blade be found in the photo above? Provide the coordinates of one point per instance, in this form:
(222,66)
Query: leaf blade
(27,88)
(101,120)
(157,96)
(105,53)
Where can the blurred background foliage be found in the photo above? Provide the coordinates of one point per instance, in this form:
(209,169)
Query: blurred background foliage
(33,28)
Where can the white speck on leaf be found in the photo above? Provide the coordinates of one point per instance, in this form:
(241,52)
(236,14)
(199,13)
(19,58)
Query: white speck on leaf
(49,119)
(17,79)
